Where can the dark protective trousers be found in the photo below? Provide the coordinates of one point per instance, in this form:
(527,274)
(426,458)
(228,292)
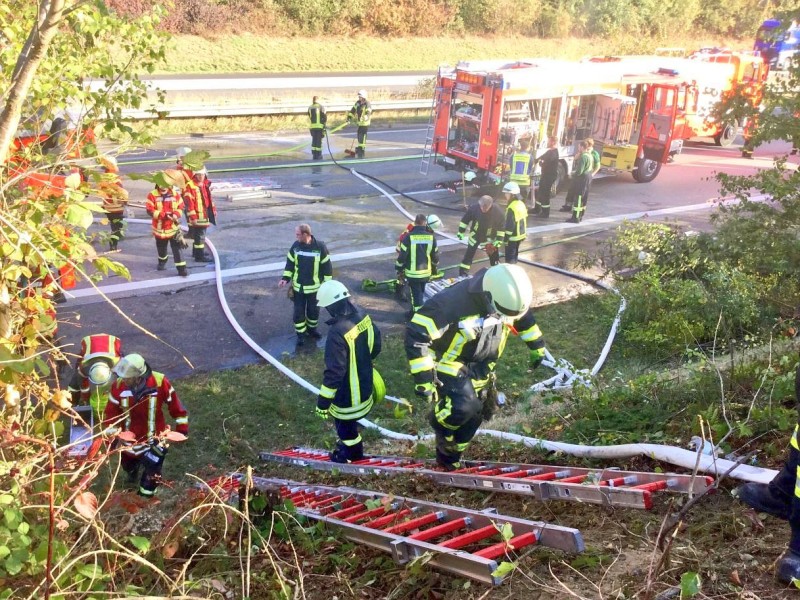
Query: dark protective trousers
(349,447)
(198,235)
(542,197)
(512,251)
(316,142)
(362,138)
(306,312)
(116,222)
(469,256)
(784,485)
(151,473)
(417,287)
(455,417)
(161,248)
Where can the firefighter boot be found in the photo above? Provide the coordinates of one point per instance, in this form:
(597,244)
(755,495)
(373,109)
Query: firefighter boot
(182,271)
(765,498)
(162,265)
(112,245)
(314,334)
(359,153)
(788,568)
(201,256)
(301,339)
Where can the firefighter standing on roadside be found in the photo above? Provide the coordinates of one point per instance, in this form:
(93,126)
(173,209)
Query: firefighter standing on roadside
(417,259)
(453,343)
(516,221)
(361,114)
(136,404)
(114,198)
(485,222)
(581,171)
(350,384)
(318,118)
(90,382)
(520,169)
(164,205)
(200,212)
(549,165)
(595,155)
(308,265)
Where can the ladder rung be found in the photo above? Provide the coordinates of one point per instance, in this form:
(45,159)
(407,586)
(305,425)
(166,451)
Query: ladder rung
(653,486)
(465,539)
(393,517)
(440,530)
(526,539)
(332,508)
(367,514)
(522,473)
(413,465)
(573,479)
(415,523)
(325,502)
(347,511)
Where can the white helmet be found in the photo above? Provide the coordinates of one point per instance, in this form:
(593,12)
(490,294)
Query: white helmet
(512,187)
(434,222)
(182,151)
(330,292)
(510,289)
(470,176)
(362,94)
(130,366)
(99,373)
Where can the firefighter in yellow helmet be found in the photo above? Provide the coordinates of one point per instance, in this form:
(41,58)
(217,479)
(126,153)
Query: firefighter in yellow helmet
(453,343)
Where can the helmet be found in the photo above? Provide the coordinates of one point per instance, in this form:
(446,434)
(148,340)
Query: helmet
(378,386)
(434,222)
(511,187)
(470,176)
(362,94)
(330,292)
(109,163)
(182,151)
(99,373)
(510,289)
(130,366)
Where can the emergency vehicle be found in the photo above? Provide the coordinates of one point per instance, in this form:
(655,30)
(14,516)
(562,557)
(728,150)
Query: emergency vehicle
(638,109)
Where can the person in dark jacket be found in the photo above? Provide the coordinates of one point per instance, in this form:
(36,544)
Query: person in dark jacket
(453,343)
(485,223)
(318,118)
(308,265)
(781,498)
(347,392)
(361,115)
(549,165)
(417,259)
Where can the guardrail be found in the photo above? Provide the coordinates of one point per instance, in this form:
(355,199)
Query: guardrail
(254,110)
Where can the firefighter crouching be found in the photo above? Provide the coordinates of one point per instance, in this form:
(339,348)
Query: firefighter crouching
(453,343)
(485,222)
(417,258)
(91,380)
(136,404)
(781,498)
(350,385)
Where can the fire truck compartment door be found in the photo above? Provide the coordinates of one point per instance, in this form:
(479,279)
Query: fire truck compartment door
(614,115)
(659,120)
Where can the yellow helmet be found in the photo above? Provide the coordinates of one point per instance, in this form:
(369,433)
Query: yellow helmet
(510,289)
(130,366)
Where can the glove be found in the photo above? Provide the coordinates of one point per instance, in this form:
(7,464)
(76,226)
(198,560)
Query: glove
(427,391)
(323,404)
(497,244)
(537,356)
(322,414)
(460,235)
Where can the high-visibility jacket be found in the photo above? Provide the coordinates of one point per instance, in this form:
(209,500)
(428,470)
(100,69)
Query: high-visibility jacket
(483,226)
(165,207)
(418,253)
(307,266)
(458,330)
(143,413)
(197,210)
(516,220)
(520,168)
(353,343)
(97,347)
(361,113)
(317,115)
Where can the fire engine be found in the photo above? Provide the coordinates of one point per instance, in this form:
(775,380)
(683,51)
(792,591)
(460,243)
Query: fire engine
(638,109)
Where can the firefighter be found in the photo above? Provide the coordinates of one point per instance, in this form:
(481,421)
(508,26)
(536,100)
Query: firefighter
(308,265)
(485,222)
(418,258)
(581,171)
(350,384)
(200,212)
(361,114)
(595,155)
(114,198)
(164,205)
(520,169)
(318,118)
(549,165)
(90,382)
(516,221)
(136,404)
(453,343)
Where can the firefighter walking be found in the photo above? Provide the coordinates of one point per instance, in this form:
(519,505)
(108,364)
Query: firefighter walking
(484,221)
(516,224)
(136,403)
(361,115)
(350,384)
(200,212)
(91,379)
(318,118)
(308,265)
(164,205)
(114,198)
(453,343)
(417,259)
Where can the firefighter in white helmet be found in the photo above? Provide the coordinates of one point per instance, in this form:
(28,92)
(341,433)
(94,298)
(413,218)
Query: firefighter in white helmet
(516,222)
(136,404)
(361,115)
(453,343)
(91,380)
(350,386)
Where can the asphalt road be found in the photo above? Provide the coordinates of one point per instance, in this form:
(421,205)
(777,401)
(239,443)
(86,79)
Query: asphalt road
(188,330)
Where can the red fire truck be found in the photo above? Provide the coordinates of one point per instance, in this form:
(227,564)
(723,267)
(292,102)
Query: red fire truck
(637,109)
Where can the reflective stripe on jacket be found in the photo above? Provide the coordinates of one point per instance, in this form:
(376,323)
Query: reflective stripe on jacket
(520,168)
(196,210)
(516,220)
(361,113)
(165,208)
(307,266)
(317,115)
(418,253)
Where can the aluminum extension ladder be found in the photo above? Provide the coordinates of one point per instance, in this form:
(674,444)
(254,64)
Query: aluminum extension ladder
(609,487)
(427,150)
(465,542)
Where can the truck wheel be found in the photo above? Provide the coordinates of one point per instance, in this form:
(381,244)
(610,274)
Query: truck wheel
(561,179)
(725,137)
(646,170)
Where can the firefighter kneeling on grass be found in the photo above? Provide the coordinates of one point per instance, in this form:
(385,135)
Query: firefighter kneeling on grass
(91,380)
(136,404)
(350,385)
(453,343)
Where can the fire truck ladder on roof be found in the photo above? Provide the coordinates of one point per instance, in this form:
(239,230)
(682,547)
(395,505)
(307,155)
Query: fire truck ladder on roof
(609,487)
(427,150)
(466,542)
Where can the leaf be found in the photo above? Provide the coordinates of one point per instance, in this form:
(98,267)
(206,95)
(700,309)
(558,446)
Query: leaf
(127,436)
(503,569)
(690,584)
(79,216)
(142,544)
(6,498)
(507,532)
(86,504)
(174,436)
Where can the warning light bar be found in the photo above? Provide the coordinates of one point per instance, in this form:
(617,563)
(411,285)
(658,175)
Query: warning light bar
(470,78)
(664,71)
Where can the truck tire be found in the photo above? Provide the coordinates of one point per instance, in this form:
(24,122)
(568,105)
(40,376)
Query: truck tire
(646,170)
(725,137)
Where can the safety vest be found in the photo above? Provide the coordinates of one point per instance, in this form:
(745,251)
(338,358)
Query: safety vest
(317,115)
(162,207)
(417,254)
(519,213)
(520,163)
(196,211)
(100,345)
(361,113)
